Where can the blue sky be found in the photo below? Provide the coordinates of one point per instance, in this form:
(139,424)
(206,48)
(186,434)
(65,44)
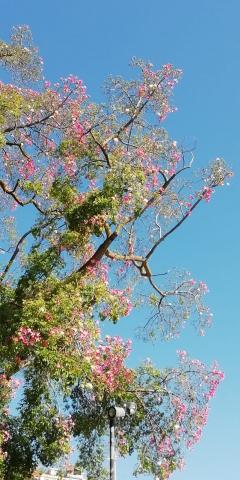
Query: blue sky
(95,39)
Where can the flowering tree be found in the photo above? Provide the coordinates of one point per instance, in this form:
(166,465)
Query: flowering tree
(101,187)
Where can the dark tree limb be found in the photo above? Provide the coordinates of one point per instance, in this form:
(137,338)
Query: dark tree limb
(15,253)
(18,200)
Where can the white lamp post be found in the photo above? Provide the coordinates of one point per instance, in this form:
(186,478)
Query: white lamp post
(113,413)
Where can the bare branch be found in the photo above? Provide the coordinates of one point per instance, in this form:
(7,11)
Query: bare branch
(103,149)
(18,200)
(138,110)
(124,258)
(161,239)
(15,253)
(19,145)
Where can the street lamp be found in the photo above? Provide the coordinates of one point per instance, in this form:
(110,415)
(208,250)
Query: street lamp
(113,413)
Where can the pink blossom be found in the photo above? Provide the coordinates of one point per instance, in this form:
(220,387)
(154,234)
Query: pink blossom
(28,169)
(28,336)
(207,193)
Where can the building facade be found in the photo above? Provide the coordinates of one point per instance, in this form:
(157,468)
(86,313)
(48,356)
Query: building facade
(52,475)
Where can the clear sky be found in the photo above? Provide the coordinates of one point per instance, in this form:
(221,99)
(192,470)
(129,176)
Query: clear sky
(94,39)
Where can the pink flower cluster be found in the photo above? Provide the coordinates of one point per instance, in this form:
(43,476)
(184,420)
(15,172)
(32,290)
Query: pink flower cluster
(207,193)
(8,387)
(78,130)
(191,410)
(70,165)
(180,408)
(194,438)
(28,169)
(27,336)
(99,270)
(216,376)
(108,363)
(165,447)
(123,298)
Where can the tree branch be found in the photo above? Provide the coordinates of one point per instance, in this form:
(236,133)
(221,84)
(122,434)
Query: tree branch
(20,202)
(173,228)
(37,122)
(138,110)
(100,252)
(119,256)
(103,150)
(15,253)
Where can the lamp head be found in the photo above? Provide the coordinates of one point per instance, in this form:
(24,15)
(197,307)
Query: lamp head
(112,412)
(131,408)
(116,412)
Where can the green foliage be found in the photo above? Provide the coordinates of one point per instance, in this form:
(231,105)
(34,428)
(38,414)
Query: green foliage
(20,56)
(90,448)
(95,205)
(63,191)
(20,461)
(11,103)
(40,266)
(2,140)
(34,187)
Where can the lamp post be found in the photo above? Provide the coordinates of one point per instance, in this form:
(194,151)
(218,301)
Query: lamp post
(113,413)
